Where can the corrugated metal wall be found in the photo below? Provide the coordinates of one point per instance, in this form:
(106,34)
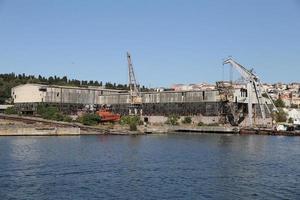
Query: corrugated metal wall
(163,97)
(166,109)
(76,96)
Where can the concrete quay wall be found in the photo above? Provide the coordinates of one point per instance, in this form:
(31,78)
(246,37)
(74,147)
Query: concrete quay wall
(28,131)
(195,119)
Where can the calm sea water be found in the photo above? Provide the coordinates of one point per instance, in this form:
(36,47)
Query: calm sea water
(150,167)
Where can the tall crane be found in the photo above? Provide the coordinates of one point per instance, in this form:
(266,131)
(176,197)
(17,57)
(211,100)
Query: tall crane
(253,84)
(135,98)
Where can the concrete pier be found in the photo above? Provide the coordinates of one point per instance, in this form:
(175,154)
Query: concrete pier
(27,131)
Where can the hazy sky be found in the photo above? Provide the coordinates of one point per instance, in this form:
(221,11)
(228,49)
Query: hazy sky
(171,41)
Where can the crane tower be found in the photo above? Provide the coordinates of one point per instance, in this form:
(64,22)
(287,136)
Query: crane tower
(135,98)
(253,85)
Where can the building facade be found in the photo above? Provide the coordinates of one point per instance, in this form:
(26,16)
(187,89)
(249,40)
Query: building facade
(207,103)
(28,96)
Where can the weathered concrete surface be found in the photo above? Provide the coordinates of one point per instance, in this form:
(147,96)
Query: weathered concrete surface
(206,129)
(51,123)
(258,121)
(27,131)
(205,119)
(263,131)
(155,129)
(156,120)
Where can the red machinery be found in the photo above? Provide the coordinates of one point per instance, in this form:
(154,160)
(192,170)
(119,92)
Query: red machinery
(107,116)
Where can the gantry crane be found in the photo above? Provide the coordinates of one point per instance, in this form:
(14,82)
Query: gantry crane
(253,84)
(135,98)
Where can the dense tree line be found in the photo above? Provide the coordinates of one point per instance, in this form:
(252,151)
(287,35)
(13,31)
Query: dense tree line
(8,81)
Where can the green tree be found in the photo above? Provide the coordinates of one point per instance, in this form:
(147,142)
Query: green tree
(279,103)
(281,116)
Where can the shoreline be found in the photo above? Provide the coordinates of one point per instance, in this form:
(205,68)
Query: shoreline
(14,125)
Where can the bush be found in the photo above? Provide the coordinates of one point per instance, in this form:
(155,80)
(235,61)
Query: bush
(200,124)
(291,120)
(11,111)
(132,121)
(132,126)
(172,120)
(280,116)
(90,119)
(50,112)
(67,118)
(59,117)
(187,120)
(265,95)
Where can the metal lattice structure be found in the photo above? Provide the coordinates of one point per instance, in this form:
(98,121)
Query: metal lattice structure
(135,98)
(229,111)
(253,84)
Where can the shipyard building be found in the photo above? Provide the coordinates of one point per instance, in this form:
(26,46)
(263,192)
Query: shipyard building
(209,104)
(27,97)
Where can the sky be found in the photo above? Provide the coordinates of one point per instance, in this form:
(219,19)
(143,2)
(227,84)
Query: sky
(170,41)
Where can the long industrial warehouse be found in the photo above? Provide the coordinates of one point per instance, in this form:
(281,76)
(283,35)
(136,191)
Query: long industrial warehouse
(26,97)
(183,103)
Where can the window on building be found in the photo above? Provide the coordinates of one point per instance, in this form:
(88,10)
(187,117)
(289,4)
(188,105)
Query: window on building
(43,89)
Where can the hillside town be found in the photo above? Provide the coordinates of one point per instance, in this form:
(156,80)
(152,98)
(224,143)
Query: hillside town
(289,93)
